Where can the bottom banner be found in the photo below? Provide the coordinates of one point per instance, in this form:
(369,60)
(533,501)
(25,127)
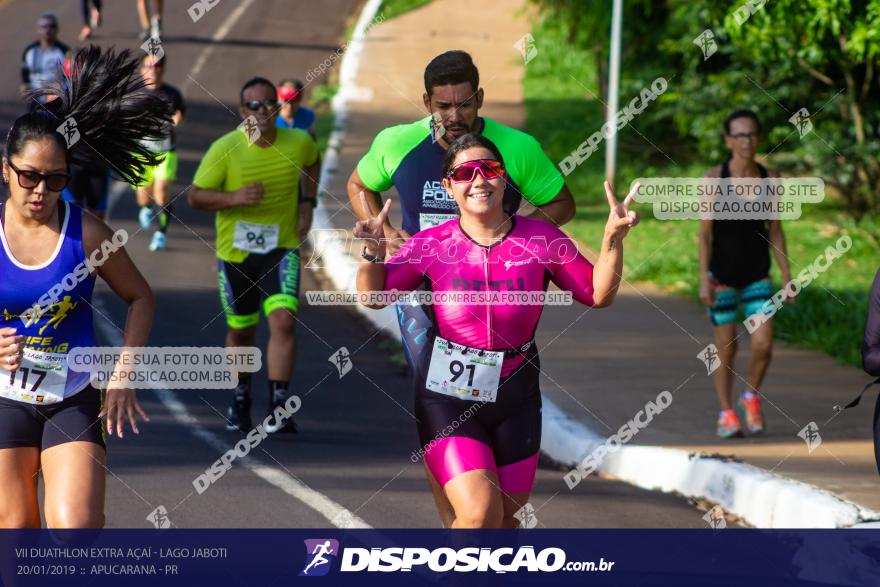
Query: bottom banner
(172,557)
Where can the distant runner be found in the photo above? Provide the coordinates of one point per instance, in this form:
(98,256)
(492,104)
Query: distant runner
(292,113)
(92,18)
(42,59)
(150,17)
(251,178)
(89,187)
(153,191)
(734,267)
(480,366)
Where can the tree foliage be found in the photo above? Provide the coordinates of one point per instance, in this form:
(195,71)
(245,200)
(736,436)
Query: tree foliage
(777,57)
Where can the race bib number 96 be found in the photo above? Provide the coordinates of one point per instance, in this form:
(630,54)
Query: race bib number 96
(463,372)
(39,380)
(255,238)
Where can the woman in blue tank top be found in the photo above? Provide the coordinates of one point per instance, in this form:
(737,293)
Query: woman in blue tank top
(50,255)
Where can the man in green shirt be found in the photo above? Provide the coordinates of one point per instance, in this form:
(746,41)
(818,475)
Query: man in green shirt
(251,178)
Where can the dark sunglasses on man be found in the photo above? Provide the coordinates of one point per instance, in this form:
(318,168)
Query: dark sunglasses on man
(254,105)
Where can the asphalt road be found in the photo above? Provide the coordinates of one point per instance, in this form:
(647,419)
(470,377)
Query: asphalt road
(350,463)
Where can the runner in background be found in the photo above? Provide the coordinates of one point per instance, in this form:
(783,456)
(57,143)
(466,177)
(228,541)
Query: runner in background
(43,58)
(292,113)
(92,18)
(153,191)
(50,419)
(871,355)
(151,20)
(89,187)
(871,345)
(735,267)
(251,177)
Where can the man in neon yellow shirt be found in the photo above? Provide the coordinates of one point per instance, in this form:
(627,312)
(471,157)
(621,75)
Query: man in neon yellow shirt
(251,178)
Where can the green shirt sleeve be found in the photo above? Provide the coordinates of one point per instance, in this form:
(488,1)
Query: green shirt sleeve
(389,148)
(211,173)
(373,167)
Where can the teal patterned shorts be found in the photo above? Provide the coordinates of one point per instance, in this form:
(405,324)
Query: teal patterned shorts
(727,299)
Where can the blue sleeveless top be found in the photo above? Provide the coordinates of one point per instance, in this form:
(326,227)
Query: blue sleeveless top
(67,320)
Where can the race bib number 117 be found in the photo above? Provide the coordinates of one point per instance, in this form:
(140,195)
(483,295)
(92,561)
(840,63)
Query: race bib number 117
(39,380)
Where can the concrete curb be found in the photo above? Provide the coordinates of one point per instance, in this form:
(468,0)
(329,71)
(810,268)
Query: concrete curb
(762,499)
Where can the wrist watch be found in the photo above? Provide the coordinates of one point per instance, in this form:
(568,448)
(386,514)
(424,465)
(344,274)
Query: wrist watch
(371,258)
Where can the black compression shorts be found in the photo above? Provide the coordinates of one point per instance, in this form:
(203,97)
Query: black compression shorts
(43,426)
(504,436)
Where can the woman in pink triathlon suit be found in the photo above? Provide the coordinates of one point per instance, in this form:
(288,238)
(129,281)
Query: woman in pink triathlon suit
(487,271)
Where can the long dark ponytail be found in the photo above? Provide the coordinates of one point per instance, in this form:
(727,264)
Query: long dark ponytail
(106,99)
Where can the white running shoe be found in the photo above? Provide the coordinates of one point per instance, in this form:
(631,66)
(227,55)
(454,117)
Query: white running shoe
(145,217)
(159,241)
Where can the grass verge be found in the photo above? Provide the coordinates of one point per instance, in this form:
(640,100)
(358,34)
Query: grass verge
(563,109)
(392,8)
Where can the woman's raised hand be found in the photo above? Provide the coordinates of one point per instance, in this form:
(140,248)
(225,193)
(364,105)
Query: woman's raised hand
(372,230)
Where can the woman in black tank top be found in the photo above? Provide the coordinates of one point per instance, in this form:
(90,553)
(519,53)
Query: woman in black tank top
(734,270)
(740,248)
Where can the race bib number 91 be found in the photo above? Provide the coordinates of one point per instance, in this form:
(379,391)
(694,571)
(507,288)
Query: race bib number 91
(255,238)
(39,380)
(463,372)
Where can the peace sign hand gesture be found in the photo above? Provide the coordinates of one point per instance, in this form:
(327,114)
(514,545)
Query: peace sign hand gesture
(620,217)
(372,230)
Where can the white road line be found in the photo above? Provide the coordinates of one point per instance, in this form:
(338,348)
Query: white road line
(219,35)
(332,511)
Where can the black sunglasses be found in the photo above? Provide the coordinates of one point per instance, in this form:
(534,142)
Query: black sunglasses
(27,179)
(254,105)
